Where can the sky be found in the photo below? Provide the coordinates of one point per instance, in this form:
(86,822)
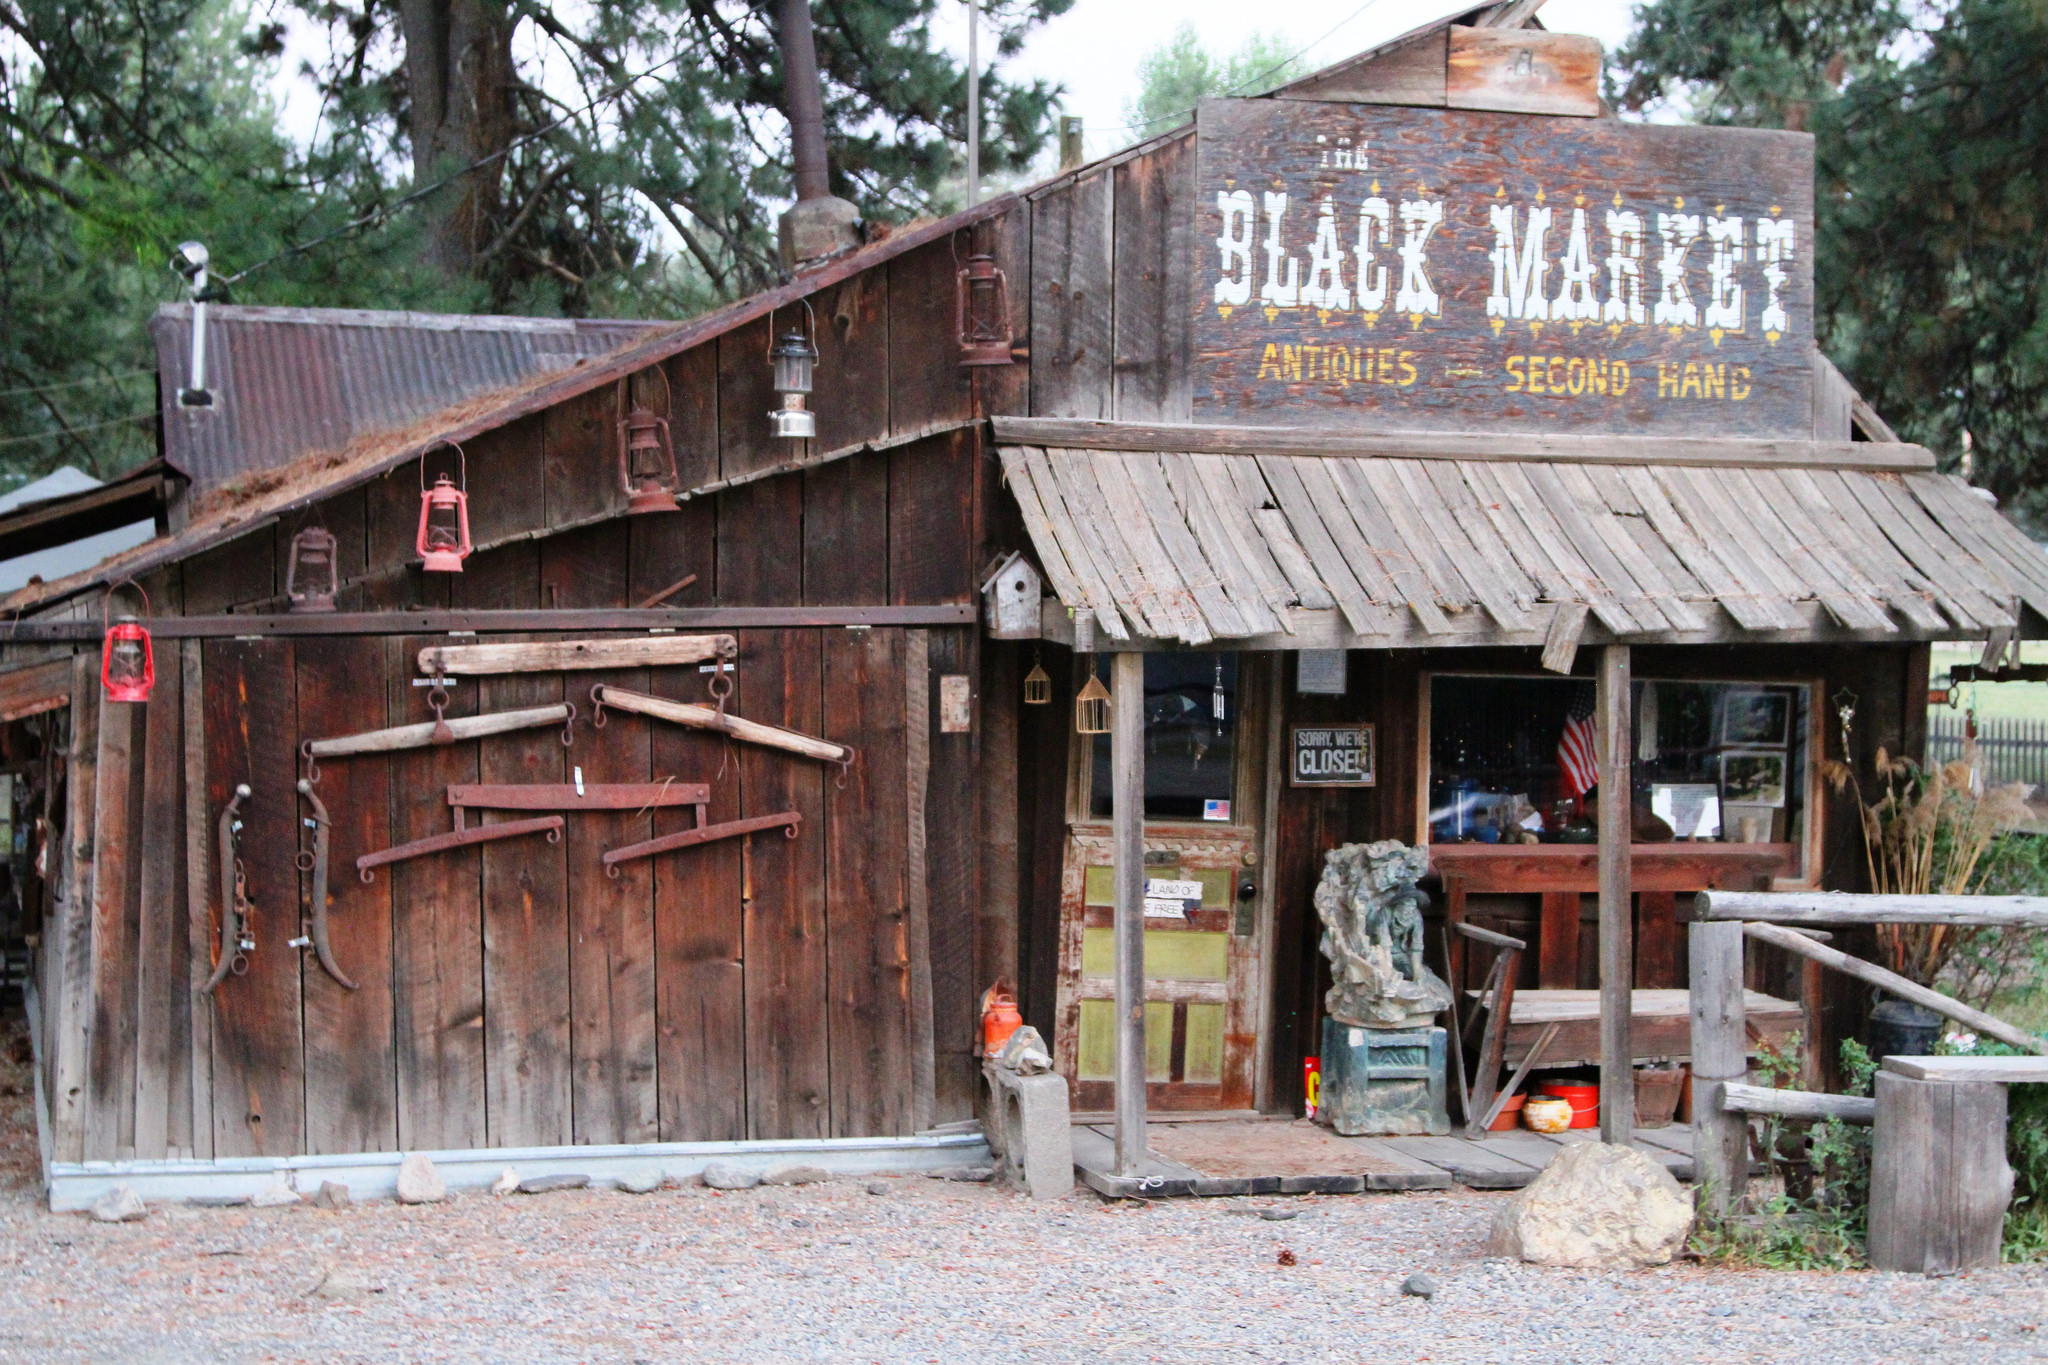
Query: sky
(1094,48)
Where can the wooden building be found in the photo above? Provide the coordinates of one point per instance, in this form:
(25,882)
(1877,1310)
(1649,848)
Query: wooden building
(1346,416)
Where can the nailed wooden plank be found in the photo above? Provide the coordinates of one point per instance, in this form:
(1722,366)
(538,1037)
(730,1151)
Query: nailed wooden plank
(68,974)
(1789,559)
(1076,433)
(201,919)
(1065,580)
(527,948)
(1529,556)
(1808,536)
(1448,542)
(1633,520)
(1939,1182)
(759,527)
(1588,584)
(1723,493)
(1097,585)
(1314,537)
(854,343)
(926,380)
(1863,545)
(1383,509)
(1238,501)
(953,875)
(866,906)
(699,975)
(1393,1169)
(116,862)
(1142,550)
(1248,581)
(1523,71)
(1185,551)
(1070,300)
(1364,530)
(2001,1070)
(437,976)
(1473,1164)
(1586,498)
(1152,327)
(1994,541)
(1578,524)
(351,1054)
(846,531)
(1479,530)
(1561,641)
(932,527)
(917,872)
(1082,497)
(1679,510)
(788,1080)
(1964,602)
(251,737)
(35,689)
(1411,72)
(1833,400)
(554,656)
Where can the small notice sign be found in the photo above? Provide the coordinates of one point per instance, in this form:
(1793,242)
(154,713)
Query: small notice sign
(1167,898)
(1332,756)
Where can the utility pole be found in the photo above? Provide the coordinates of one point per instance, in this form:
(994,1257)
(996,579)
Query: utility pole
(973,103)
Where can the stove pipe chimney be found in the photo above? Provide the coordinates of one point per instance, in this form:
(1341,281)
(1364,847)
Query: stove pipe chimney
(819,225)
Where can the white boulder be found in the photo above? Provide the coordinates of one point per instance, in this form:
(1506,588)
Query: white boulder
(1596,1206)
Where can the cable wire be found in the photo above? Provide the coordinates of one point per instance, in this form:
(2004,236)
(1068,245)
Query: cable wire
(73,383)
(1282,65)
(74,431)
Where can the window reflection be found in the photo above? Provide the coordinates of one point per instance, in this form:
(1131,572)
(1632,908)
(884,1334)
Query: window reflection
(1190,738)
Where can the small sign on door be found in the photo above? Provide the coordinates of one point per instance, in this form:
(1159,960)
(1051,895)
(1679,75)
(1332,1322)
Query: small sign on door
(1167,898)
(956,704)
(1332,756)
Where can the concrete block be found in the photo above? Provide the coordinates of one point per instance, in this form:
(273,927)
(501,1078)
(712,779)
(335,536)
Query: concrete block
(1030,1131)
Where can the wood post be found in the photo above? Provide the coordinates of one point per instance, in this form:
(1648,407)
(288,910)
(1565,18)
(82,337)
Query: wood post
(1127,816)
(1617,954)
(1939,1183)
(1720,1052)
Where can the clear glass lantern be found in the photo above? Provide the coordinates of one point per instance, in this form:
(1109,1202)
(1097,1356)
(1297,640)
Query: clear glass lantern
(793,357)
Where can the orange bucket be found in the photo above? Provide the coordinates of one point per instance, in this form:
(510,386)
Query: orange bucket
(999,1019)
(1583,1098)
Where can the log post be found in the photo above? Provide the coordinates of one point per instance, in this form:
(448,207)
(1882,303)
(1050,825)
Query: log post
(1127,817)
(1720,1052)
(1617,951)
(1939,1182)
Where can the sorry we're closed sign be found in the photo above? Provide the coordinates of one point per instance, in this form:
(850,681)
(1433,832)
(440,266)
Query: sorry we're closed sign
(1332,756)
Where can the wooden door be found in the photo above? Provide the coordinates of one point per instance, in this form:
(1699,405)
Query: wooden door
(1201,969)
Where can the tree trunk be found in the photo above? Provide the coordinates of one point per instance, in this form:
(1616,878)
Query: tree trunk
(460,83)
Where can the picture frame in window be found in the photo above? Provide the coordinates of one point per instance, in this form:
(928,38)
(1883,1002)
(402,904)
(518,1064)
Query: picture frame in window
(1753,777)
(1756,718)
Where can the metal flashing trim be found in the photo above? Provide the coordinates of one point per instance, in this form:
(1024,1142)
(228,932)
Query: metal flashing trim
(74,1185)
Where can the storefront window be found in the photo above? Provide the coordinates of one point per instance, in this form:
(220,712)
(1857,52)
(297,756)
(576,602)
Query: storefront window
(1511,761)
(1190,738)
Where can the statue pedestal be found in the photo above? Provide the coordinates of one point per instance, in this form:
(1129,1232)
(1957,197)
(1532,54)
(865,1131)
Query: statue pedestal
(1383,1082)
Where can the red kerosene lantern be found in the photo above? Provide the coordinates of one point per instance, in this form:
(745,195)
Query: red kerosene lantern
(443,541)
(127,663)
(647,455)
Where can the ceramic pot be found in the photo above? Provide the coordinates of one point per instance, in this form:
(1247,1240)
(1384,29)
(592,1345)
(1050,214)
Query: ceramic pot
(1900,1028)
(1547,1114)
(1657,1090)
(1510,1114)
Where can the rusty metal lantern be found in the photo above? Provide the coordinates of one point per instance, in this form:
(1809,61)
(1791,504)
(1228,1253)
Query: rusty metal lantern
(312,578)
(793,357)
(127,662)
(1091,708)
(647,455)
(981,312)
(443,541)
(1037,684)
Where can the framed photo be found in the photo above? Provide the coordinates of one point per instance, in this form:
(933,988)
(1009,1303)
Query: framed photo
(1756,718)
(1753,779)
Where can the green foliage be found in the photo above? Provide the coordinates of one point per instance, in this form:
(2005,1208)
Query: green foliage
(1931,268)
(1179,73)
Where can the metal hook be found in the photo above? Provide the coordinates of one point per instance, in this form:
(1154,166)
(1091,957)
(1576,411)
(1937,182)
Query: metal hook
(845,771)
(598,719)
(368,877)
(569,725)
(312,763)
(437,700)
(555,835)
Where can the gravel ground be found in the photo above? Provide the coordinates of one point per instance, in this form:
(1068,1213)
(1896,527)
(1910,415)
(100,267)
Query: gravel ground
(927,1271)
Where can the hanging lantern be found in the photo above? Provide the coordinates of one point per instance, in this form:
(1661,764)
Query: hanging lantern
(647,456)
(981,313)
(1037,684)
(1091,708)
(443,541)
(127,663)
(793,357)
(311,579)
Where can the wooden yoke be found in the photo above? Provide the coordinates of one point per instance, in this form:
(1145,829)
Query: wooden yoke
(557,656)
(536,796)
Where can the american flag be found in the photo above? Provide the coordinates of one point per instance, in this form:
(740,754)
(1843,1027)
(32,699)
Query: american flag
(1575,759)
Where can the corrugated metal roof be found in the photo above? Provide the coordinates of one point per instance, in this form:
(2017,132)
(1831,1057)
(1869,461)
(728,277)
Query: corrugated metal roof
(1195,547)
(288,381)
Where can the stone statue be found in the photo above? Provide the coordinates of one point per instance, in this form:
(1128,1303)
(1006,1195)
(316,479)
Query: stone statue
(1372,934)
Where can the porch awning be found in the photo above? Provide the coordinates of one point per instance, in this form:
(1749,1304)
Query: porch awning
(1307,546)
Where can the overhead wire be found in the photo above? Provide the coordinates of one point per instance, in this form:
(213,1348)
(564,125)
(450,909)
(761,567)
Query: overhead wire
(74,431)
(1249,81)
(73,383)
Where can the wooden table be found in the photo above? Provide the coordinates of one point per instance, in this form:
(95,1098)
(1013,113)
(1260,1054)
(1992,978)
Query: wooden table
(1561,873)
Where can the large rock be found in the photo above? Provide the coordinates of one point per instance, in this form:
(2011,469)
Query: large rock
(419,1182)
(1595,1206)
(121,1204)
(726,1175)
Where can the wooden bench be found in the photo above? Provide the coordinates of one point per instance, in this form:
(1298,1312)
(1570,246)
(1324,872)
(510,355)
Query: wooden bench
(1939,1182)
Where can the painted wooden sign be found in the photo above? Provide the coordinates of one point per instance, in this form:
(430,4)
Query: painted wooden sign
(1332,756)
(1434,269)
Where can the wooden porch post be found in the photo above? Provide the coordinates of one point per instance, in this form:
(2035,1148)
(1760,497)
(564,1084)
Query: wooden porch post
(1127,816)
(1720,1052)
(1617,952)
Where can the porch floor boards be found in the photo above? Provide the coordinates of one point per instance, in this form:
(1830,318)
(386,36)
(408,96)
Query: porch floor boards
(1268,1156)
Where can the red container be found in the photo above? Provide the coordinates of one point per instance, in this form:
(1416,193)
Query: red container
(1584,1100)
(1510,1116)
(1311,1084)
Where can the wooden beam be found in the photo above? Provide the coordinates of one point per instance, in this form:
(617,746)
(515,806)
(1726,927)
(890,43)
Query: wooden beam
(1794,1104)
(1561,641)
(2006,1070)
(1834,907)
(484,622)
(555,656)
(1617,949)
(1720,1053)
(1197,438)
(1794,941)
(33,690)
(1127,841)
(419,736)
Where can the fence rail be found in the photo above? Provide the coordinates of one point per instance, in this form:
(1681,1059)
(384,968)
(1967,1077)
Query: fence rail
(2011,748)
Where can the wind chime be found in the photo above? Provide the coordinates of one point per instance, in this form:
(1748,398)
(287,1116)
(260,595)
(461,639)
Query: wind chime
(1091,707)
(1037,683)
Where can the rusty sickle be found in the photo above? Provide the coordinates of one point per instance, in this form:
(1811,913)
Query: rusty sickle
(322,947)
(234,900)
